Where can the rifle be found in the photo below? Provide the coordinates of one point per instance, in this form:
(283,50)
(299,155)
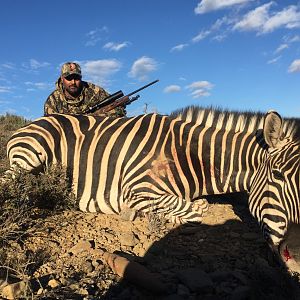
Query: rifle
(115,100)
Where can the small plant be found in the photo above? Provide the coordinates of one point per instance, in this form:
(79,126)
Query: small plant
(21,193)
(156,220)
(8,124)
(25,198)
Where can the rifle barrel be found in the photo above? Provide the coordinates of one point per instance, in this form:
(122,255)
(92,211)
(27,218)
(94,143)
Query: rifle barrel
(145,86)
(113,97)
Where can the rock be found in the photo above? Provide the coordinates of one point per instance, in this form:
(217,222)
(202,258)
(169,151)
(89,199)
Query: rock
(189,230)
(234,235)
(241,293)
(219,276)
(250,236)
(83,292)
(138,250)
(127,214)
(147,244)
(173,297)
(135,273)
(241,276)
(127,239)
(82,245)
(14,290)
(3,283)
(196,280)
(87,266)
(40,291)
(53,283)
(182,291)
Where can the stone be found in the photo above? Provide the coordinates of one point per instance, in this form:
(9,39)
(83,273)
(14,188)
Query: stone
(82,245)
(196,280)
(14,290)
(53,283)
(127,239)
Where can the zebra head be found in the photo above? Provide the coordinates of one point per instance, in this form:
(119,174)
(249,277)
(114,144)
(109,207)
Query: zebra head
(274,195)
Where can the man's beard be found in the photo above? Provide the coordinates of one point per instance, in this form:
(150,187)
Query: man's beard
(73,90)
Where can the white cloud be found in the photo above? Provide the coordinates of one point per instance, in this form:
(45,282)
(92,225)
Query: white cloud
(219,37)
(96,35)
(293,39)
(99,71)
(5,89)
(200,93)
(115,47)
(179,47)
(263,21)
(273,60)
(214,28)
(10,111)
(142,67)
(200,88)
(200,84)
(8,65)
(34,64)
(201,36)
(281,48)
(288,17)
(172,89)
(255,19)
(205,6)
(4,102)
(38,85)
(294,66)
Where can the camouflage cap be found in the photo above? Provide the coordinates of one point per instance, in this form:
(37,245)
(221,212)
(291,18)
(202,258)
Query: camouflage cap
(70,68)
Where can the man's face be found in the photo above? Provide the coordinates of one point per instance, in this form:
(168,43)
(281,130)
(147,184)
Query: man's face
(72,84)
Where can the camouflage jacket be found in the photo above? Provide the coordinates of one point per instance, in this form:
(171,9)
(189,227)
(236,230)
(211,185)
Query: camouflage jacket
(90,95)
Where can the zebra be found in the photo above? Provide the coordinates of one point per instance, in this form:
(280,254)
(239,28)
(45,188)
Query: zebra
(168,164)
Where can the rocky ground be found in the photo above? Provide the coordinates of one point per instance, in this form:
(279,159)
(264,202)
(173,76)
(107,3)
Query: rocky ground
(223,258)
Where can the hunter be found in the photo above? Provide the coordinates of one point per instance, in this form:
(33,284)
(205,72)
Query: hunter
(73,95)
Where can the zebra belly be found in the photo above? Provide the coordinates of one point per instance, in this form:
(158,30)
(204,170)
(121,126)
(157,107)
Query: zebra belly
(101,204)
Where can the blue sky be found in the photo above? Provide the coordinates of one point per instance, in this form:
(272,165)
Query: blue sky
(236,54)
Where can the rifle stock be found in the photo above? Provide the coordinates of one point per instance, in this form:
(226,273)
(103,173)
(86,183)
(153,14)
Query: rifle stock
(125,100)
(115,100)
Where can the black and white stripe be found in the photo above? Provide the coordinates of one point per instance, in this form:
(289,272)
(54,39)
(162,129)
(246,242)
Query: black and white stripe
(168,163)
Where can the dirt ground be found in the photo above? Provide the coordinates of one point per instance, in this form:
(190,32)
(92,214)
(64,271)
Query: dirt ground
(223,258)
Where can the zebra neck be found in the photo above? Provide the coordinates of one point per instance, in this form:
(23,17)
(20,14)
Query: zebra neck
(228,160)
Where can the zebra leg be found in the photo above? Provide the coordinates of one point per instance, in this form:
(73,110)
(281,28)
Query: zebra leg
(192,212)
(174,209)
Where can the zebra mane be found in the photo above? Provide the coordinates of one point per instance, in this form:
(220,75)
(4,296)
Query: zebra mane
(239,121)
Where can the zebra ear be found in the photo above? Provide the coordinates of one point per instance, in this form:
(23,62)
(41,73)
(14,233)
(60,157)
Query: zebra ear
(273,133)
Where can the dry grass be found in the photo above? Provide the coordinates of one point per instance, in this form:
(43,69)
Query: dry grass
(25,198)
(8,124)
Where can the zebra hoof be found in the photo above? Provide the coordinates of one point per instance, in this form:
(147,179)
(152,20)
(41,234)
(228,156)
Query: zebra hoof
(200,206)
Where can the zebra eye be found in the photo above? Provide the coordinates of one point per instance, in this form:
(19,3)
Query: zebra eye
(278,175)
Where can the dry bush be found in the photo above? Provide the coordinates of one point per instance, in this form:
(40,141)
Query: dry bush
(156,220)
(25,199)
(21,193)
(8,124)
